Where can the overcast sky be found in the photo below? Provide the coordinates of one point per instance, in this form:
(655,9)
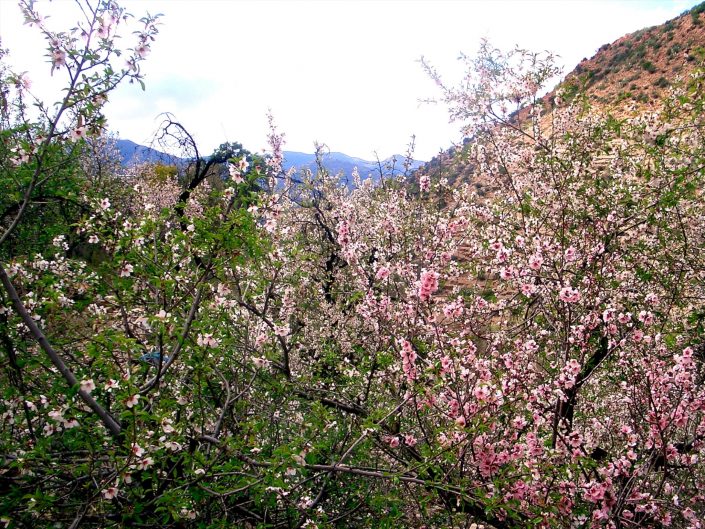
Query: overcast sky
(344,73)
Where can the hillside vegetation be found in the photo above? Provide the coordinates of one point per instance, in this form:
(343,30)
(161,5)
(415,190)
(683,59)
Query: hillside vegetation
(627,77)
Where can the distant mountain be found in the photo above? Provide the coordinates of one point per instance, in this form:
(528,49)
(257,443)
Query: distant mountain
(340,163)
(132,153)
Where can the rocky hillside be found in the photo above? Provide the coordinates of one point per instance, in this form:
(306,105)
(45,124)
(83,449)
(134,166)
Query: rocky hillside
(639,66)
(625,76)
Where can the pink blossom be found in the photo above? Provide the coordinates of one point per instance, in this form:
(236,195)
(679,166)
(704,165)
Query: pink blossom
(424,183)
(132,401)
(49,429)
(282,330)
(573,367)
(207,340)
(21,156)
(527,289)
(142,50)
(690,515)
(428,284)
(87,385)
(481,392)
(569,295)
(652,298)
(344,233)
(58,57)
(235,174)
(260,362)
(624,318)
(646,317)
(575,439)
(137,450)
(571,254)
(110,493)
(535,262)
(382,273)
(444,441)
(188,513)
(506,273)
(56,415)
(145,463)
(23,81)
(446,363)
(126,270)
(104,30)
(408,356)
(172,446)
(594,492)
(454,309)
(519,423)
(78,133)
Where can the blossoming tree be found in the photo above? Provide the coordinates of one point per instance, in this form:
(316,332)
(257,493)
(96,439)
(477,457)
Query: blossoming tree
(280,351)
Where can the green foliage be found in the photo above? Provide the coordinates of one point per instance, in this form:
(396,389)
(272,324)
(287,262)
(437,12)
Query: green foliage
(53,209)
(648,66)
(662,82)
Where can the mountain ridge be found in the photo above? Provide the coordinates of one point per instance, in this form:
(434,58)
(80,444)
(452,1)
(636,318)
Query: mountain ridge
(132,153)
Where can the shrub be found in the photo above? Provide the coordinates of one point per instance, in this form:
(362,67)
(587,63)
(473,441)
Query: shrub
(648,66)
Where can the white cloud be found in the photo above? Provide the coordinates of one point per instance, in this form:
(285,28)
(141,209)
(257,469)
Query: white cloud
(341,72)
